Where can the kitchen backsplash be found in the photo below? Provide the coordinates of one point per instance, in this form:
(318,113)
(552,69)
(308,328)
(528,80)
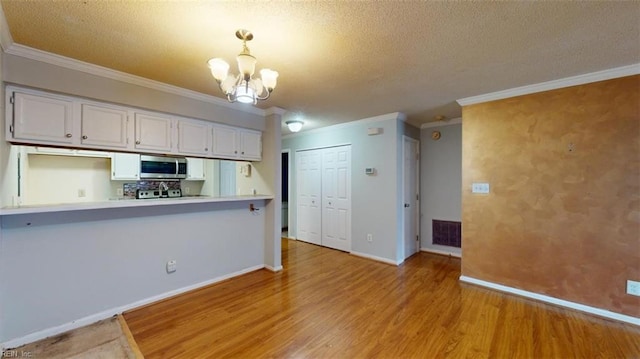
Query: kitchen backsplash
(129,189)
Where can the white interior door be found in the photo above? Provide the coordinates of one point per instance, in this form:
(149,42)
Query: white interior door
(336,197)
(410,189)
(308,225)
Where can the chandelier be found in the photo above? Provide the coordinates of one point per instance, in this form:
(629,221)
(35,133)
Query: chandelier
(243,87)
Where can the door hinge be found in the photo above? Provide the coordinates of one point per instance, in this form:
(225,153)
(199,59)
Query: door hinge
(11,128)
(417,197)
(12,99)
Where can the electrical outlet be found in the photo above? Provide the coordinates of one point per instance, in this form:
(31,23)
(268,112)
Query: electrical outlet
(633,288)
(369,237)
(119,192)
(82,192)
(187,190)
(172,266)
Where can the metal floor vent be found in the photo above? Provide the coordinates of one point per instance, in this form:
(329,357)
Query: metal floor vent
(447,233)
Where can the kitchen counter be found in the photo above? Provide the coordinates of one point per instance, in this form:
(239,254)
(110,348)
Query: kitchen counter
(124,203)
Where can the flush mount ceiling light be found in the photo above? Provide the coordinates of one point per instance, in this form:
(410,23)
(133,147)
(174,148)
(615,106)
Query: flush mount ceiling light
(295,125)
(243,87)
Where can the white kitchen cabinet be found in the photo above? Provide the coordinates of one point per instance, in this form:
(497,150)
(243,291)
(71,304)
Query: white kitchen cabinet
(153,132)
(250,145)
(225,142)
(104,126)
(40,118)
(194,137)
(125,166)
(43,119)
(236,143)
(195,169)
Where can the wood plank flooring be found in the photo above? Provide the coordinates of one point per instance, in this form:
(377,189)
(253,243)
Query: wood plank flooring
(329,304)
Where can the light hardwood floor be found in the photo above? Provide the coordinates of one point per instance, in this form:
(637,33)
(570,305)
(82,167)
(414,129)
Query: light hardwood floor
(329,304)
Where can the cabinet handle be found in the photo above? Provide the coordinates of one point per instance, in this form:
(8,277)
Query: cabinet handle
(206,149)
(68,135)
(235,152)
(84,137)
(137,142)
(243,152)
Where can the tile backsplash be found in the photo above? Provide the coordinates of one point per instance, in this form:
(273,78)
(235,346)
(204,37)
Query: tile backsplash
(129,189)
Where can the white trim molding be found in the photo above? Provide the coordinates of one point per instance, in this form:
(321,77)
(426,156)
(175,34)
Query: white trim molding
(49,332)
(553,85)
(440,252)
(273,269)
(73,64)
(375,258)
(551,300)
(453,121)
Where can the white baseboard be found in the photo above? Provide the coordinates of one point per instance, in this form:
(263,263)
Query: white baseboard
(560,302)
(49,332)
(375,258)
(444,253)
(273,269)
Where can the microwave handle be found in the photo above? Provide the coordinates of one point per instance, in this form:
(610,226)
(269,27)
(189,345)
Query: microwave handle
(177,167)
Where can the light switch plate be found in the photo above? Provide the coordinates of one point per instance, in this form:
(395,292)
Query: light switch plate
(633,287)
(480,187)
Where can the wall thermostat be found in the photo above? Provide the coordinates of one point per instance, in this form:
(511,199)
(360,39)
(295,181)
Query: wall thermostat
(370,170)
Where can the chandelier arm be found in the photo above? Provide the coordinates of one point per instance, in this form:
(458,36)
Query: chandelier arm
(265,97)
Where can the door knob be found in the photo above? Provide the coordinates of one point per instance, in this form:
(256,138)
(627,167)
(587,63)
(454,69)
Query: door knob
(407,205)
(68,135)
(84,137)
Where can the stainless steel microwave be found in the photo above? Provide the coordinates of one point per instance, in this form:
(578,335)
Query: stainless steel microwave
(158,167)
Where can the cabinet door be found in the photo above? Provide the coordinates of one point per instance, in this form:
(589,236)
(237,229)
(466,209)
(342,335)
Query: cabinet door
(251,145)
(104,127)
(125,166)
(42,119)
(225,142)
(153,133)
(195,169)
(193,137)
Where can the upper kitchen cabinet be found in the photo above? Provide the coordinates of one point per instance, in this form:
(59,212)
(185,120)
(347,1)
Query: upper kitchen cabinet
(225,142)
(46,119)
(153,133)
(41,119)
(104,126)
(236,143)
(194,137)
(250,145)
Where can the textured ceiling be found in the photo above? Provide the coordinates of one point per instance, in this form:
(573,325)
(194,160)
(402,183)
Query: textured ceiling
(343,61)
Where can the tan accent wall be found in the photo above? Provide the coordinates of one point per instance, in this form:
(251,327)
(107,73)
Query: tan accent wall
(563,215)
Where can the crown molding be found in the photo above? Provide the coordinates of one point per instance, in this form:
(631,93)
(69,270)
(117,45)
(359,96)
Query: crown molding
(275,111)
(73,64)
(453,121)
(5,35)
(389,116)
(553,85)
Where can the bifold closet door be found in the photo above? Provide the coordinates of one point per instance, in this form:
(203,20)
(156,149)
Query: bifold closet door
(336,198)
(308,189)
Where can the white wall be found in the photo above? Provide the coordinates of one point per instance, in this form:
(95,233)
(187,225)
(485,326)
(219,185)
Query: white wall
(57,179)
(440,182)
(376,200)
(70,265)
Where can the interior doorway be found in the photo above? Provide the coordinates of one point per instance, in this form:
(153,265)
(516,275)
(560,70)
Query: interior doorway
(285,193)
(411,213)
